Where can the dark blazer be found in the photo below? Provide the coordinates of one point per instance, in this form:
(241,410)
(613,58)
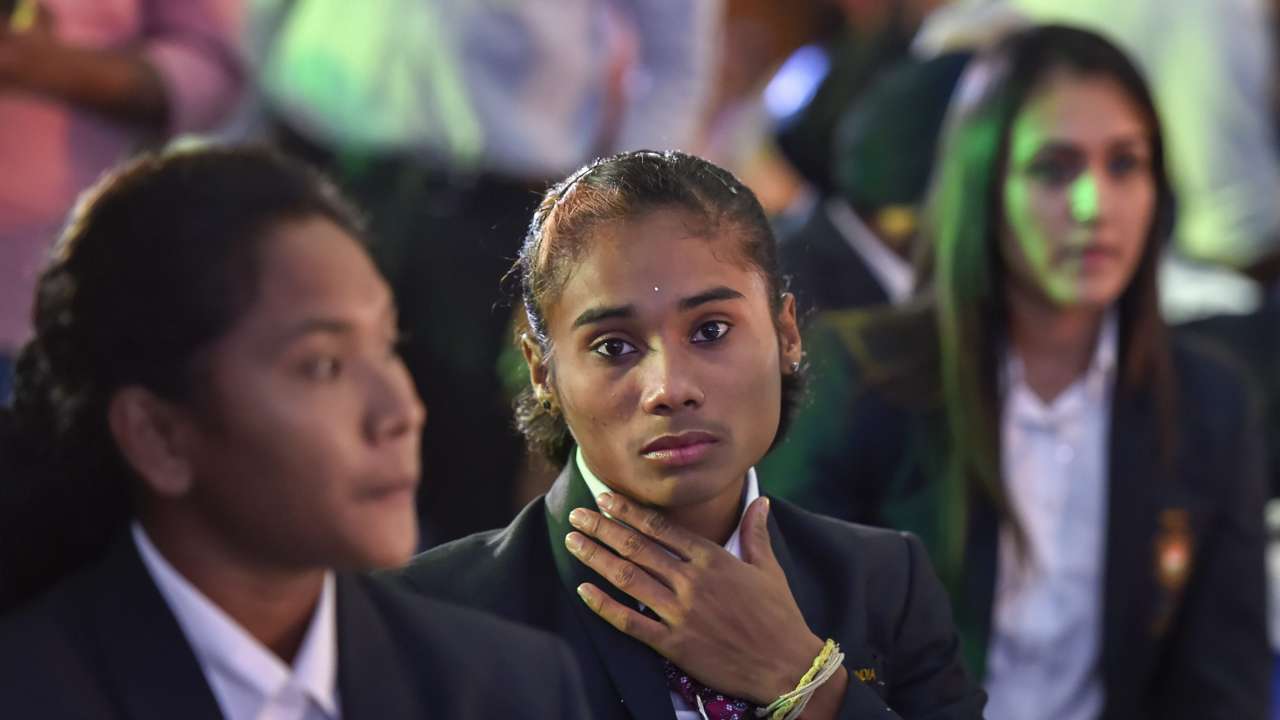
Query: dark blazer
(871,444)
(1254,340)
(104,644)
(873,591)
(823,270)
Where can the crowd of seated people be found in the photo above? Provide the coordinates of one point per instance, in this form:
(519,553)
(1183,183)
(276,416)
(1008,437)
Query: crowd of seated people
(932,451)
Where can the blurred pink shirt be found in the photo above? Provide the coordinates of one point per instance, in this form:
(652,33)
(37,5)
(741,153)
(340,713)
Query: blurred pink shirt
(50,151)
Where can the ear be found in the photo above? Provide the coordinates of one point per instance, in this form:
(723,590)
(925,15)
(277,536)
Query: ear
(533,357)
(790,350)
(153,437)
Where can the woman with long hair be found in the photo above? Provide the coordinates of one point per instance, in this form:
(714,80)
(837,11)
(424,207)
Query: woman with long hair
(664,360)
(1090,486)
(211,433)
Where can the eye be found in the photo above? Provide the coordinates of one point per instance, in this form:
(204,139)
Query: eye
(1054,171)
(710,331)
(613,348)
(322,368)
(1124,164)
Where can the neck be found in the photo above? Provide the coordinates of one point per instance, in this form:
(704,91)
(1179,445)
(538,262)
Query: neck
(274,605)
(1055,344)
(715,518)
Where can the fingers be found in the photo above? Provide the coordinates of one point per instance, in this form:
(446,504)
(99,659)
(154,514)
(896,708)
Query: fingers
(757,547)
(622,573)
(629,544)
(656,526)
(646,630)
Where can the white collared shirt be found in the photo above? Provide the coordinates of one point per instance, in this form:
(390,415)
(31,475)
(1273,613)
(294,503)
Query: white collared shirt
(1042,660)
(684,711)
(248,680)
(892,272)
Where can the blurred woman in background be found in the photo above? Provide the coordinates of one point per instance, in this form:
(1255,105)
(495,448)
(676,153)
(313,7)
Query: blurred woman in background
(1091,488)
(211,430)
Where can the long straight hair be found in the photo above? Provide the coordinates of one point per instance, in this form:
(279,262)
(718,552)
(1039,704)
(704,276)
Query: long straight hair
(966,275)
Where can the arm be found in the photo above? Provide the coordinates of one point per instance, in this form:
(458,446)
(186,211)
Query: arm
(928,678)
(185,74)
(1217,664)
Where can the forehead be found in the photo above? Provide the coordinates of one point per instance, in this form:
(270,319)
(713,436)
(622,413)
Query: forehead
(658,257)
(312,266)
(1076,109)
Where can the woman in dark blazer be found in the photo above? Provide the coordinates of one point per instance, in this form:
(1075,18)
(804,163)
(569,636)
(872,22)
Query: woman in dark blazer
(211,435)
(1090,488)
(664,356)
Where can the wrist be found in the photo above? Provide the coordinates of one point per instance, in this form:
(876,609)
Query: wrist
(793,666)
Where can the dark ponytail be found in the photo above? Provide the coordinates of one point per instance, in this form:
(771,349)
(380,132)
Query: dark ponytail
(157,261)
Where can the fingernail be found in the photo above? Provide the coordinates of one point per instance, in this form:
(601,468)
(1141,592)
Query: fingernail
(573,541)
(578,518)
(584,593)
(605,500)
(765,512)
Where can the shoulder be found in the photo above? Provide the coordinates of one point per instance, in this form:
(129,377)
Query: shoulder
(846,551)
(485,660)
(1213,387)
(47,662)
(480,568)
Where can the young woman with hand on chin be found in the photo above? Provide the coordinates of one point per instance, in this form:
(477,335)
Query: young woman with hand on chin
(664,359)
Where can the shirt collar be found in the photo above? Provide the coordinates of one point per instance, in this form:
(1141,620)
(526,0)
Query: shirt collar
(222,644)
(749,495)
(1095,383)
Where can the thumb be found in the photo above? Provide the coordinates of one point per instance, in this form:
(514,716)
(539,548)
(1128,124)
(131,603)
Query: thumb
(756,546)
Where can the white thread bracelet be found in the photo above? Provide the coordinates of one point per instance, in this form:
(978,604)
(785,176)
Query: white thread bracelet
(801,696)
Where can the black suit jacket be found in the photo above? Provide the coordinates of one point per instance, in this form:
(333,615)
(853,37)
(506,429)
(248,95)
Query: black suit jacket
(873,591)
(823,270)
(104,644)
(869,448)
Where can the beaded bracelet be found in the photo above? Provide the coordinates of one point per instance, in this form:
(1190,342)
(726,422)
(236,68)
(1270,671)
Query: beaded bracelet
(789,705)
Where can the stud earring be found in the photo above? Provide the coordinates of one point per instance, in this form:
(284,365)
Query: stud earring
(795,367)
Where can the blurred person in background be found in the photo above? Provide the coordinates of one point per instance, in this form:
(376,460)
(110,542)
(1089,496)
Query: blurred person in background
(83,84)
(1091,489)
(212,434)
(1211,65)
(855,248)
(446,119)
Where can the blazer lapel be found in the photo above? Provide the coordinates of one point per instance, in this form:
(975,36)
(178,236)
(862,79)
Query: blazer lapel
(635,669)
(1130,525)
(146,657)
(373,680)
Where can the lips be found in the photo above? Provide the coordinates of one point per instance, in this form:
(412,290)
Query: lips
(390,489)
(680,449)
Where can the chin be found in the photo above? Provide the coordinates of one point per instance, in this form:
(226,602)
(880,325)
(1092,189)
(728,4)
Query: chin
(390,548)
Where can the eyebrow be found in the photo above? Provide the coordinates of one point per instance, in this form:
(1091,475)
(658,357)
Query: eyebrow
(1057,146)
(600,314)
(323,325)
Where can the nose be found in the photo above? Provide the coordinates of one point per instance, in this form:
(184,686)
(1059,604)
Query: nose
(394,409)
(1086,198)
(669,384)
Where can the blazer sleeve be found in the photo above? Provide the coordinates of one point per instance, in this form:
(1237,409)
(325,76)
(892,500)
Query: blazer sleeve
(1218,663)
(929,681)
